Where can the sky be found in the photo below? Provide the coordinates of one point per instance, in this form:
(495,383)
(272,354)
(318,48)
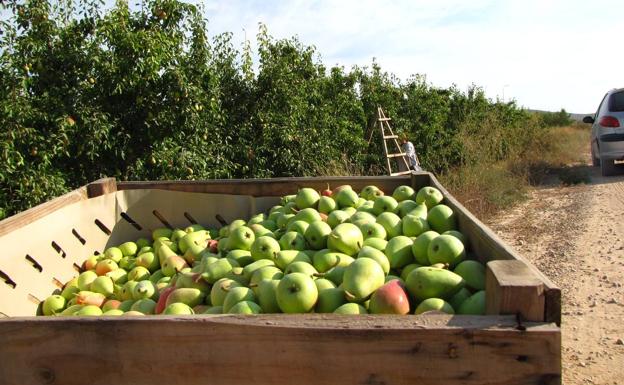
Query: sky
(546,55)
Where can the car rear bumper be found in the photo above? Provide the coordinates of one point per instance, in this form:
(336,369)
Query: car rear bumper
(612,146)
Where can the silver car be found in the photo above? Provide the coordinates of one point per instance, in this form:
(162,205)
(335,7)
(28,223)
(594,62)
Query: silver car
(607,136)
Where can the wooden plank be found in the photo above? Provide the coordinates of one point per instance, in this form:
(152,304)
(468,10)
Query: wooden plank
(276,349)
(384,119)
(266,187)
(391,136)
(396,155)
(487,246)
(401,173)
(26,217)
(512,288)
(101,187)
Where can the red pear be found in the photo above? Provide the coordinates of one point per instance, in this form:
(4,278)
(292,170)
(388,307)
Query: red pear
(212,246)
(162,299)
(391,298)
(336,190)
(327,192)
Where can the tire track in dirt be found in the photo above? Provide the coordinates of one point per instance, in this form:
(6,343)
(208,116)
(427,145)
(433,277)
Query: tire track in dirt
(575,235)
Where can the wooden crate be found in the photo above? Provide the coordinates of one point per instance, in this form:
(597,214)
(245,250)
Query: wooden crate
(518,342)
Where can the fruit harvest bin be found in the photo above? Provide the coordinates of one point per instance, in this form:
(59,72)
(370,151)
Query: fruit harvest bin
(518,342)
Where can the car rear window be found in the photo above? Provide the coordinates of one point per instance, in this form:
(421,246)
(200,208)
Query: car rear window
(616,103)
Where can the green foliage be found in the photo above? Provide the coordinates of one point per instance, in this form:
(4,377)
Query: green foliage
(146,94)
(555,119)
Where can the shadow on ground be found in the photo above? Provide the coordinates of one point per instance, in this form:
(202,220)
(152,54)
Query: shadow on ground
(581,174)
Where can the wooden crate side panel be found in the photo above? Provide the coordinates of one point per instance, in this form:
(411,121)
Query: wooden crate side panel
(269,187)
(42,255)
(269,350)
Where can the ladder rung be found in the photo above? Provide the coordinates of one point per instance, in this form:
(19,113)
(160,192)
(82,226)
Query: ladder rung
(391,137)
(400,173)
(384,119)
(396,155)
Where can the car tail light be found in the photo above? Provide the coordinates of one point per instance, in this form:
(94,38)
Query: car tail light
(609,121)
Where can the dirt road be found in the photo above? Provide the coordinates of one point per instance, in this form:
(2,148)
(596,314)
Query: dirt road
(575,235)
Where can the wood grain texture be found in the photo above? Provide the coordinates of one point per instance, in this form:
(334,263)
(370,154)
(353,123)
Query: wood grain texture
(101,187)
(511,288)
(279,349)
(487,246)
(26,217)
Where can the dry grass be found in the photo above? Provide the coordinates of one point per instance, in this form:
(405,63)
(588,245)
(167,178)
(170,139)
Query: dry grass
(485,187)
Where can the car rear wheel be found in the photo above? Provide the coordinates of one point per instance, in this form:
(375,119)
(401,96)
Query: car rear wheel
(607,166)
(595,159)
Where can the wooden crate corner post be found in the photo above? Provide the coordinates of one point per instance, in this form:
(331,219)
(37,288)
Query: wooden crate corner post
(101,187)
(512,288)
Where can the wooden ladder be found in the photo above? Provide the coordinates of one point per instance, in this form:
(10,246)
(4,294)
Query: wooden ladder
(385,128)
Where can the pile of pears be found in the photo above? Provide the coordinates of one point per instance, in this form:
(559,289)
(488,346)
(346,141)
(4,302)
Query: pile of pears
(334,251)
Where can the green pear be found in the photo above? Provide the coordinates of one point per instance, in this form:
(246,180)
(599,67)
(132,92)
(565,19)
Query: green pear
(307,215)
(420,247)
(337,217)
(292,240)
(399,251)
(53,304)
(346,238)
(189,296)
(326,205)
(376,255)
(298,227)
(220,289)
(377,243)
(144,289)
(113,312)
(249,269)
(192,280)
(126,305)
(301,267)
(384,204)
(217,270)
(307,197)
(373,230)
(407,206)
(127,289)
(236,295)
(371,192)
(431,282)
(173,264)
(145,306)
(255,219)
(143,242)
(322,284)
(446,249)
(71,310)
(242,257)
(260,231)
(161,233)
(178,308)
(430,196)
(317,234)
(475,304)
(325,259)
(103,285)
(362,278)
(85,279)
(139,273)
(351,308)
(335,274)
(128,248)
(459,236)
(459,298)
(245,307)
(241,238)
(441,218)
(414,225)
(473,272)
(89,310)
(286,257)
(149,261)
(69,292)
(392,223)
(267,295)
(113,253)
(264,248)
(214,310)
(329,299)
(296,293)
(267,272)
(345,197)
(434,304)
(408,269)
(403,193)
